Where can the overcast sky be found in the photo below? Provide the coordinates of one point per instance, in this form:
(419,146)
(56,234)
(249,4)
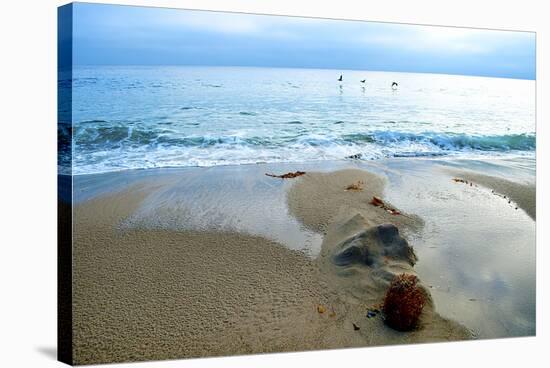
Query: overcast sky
(125,35)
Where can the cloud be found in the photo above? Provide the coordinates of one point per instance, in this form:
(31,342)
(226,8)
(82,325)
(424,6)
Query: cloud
(443,40)
(248,25)
(131,35)
(217,22)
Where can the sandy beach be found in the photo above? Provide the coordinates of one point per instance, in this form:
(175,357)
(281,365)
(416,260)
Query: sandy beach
(293,184)
(168,266)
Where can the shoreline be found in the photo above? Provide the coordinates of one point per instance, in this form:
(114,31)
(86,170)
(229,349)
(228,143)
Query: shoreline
(164,261)
(523,195)
(451,157)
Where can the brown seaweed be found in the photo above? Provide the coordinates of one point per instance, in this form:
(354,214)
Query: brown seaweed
(289,175)
(403,303)
(375,201)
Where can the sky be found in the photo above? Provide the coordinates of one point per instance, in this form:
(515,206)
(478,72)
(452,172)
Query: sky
(128,35)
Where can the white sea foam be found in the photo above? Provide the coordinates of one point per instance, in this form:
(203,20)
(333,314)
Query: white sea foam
(129,118)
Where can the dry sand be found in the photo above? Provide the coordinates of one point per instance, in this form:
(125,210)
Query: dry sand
(142,294)
(318,199)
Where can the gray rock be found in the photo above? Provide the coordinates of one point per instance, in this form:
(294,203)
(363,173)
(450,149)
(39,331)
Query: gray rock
(373,245)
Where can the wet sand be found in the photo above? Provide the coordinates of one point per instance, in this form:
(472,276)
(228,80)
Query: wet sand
(524,195)
(483,245)
(161,294)
(148,287)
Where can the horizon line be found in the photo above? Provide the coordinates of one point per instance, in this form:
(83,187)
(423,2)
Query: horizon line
(302,67)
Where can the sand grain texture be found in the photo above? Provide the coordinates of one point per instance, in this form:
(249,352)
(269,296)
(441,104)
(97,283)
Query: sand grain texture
(158,294)
(151,294)
(318,199)
(349,221)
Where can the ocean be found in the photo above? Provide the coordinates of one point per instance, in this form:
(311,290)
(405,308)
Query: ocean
(137,117)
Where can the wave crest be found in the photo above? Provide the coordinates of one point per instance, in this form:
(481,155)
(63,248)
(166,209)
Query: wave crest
(100,146)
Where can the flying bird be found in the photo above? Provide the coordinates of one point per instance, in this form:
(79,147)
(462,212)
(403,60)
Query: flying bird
(363,80)
(341,78)
(394,85)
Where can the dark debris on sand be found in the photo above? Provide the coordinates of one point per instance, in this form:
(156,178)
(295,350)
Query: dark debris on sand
(289,175)
(380,203)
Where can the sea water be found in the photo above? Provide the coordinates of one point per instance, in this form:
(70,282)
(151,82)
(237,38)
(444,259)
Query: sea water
(136,117)
(170,116)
